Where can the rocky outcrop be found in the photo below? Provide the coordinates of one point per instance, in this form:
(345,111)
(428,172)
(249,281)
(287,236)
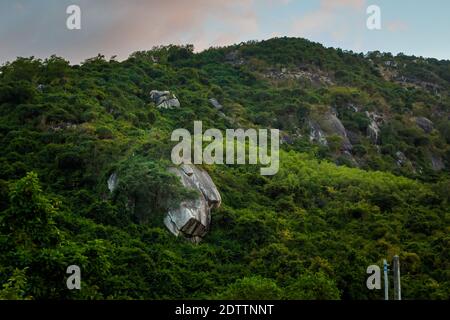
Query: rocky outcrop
(316,134)
(63,126)
(401,158)
(425,124)
(316,77)
(336,127)
(234,58)
(215,104)
(353,137)
(326,125)
(373,129)
(113,181)
(164,99)
(418,83)
(436,163)
(192,218)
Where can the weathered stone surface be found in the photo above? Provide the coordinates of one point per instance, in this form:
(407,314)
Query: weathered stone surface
(234,58)
(193,217)
(425,124)
(326,125)
(353,137)
(113,180)
(316,77)
(335,126)
(215,103)
(316,134)
(401,158)
(418,83)
(373,130)
(164,99)
(436,163)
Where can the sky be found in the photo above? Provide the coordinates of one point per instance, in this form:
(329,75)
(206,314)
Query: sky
(121,27)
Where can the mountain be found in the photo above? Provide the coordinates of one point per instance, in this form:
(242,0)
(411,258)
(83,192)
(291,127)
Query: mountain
(364,174)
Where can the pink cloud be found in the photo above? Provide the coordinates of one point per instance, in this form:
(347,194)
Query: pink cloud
(141,24)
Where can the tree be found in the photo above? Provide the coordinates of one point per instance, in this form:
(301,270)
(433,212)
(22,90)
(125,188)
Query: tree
(29,218)
(14,289)
(252,288)
(147,188)
(312,286)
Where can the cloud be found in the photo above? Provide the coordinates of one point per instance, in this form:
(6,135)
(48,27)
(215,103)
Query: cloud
(116,27)
(142,24)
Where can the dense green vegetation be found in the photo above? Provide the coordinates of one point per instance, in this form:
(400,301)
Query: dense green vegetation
(309,232)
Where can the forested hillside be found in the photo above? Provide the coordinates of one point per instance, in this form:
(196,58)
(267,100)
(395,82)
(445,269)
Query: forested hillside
(364,174)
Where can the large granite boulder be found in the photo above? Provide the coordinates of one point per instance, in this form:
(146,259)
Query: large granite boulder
(164,99)
(328,124)
(316,134)
(425,124)
(192,218)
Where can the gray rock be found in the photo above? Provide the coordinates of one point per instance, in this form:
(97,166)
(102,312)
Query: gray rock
(373,130)
(192,218)
(425,124)
(315,77)
(113,181)
(336,127)
(391,63)
(234,58)
(316,134)
(436,163)
(164,99)
(215,103)
(326,125)
(352,107)
(353,137)
(401,158)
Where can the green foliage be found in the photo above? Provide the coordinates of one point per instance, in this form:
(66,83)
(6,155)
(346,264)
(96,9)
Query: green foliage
(309,232)
(15,288)
(252,288)
(29,217)
(148,189)
(310,286)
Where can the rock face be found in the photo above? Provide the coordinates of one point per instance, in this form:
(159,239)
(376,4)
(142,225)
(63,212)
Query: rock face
(401,158)
(316,134)
(113,180)
(328,125)
(164,99)
(425,124)
(373,130)
(193,217)
(215,103)
(436,163)
(234,58)
(316,77)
